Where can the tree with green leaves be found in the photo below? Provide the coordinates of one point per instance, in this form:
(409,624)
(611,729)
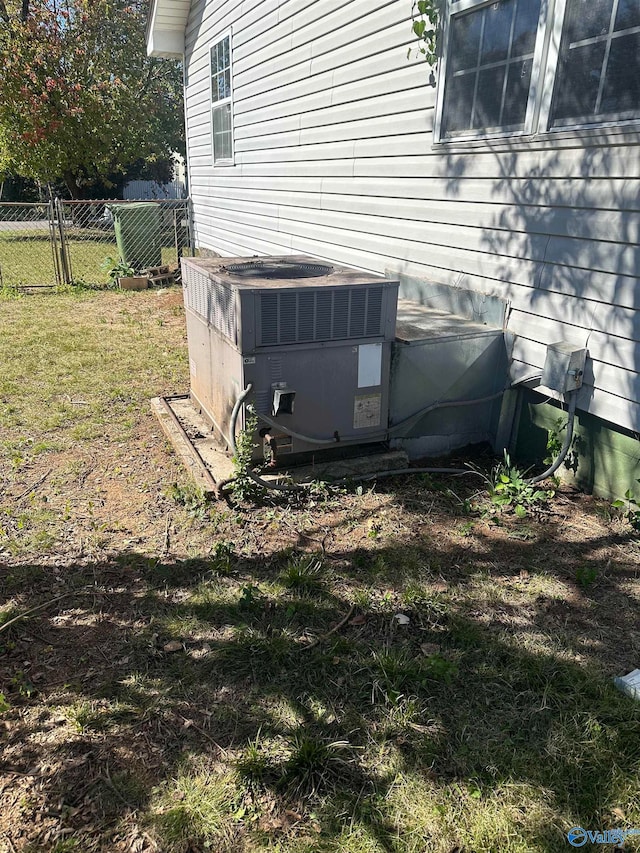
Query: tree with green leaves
(80,100)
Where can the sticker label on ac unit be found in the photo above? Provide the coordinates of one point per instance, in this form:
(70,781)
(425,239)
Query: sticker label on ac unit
(366,411)
(369,365)
(192,367)
(249,359)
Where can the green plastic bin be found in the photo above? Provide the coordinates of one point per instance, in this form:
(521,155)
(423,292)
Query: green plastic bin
(138,231)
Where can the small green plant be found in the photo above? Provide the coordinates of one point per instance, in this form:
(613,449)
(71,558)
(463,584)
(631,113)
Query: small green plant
(223,556)
(313,765)
(554,441)
(4,705)
(629,508)
(249,595)
(466,529)
(303,572)
(509,489)
(254,766)
(586,576)
(115,269)
(85,716)
(67,845)
(242,486)
(190,497)
(22,685)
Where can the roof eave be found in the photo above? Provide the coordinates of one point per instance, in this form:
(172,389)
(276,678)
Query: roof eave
(165,28)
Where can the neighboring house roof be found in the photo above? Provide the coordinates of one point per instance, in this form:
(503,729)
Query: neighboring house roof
(165,29)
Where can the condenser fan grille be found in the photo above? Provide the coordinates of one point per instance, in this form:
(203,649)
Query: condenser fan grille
(331,314)
(277,269)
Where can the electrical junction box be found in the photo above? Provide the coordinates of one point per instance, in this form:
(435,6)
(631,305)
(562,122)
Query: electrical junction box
(314,341)
(564,367)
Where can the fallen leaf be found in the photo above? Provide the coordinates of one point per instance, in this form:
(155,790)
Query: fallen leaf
(429,649)
(402,619)
(358,620)
(172,646)
(270,824)
(292,815)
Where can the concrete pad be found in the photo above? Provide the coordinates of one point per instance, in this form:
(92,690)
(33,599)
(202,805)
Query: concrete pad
(209,460)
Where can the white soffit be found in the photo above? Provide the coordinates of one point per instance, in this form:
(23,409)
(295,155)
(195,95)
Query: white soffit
(165,32)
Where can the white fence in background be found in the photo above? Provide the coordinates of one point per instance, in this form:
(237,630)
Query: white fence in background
(153,191)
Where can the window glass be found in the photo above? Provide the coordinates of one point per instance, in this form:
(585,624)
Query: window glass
(628,14)
(221,112)
(598,72)
(459,103)
(587,19)
(489,97)
(580,75)
(466,32)
(517,93)
(489,67)
(592,73)
(222,132)
(621,92)
(496,32)
(525,28)
(221,70)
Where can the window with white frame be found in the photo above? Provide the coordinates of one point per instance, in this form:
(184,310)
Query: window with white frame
(495,82)
(221,103)
(598,71)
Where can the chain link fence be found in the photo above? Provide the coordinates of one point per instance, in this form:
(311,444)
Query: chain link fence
(80,242)
(28,248)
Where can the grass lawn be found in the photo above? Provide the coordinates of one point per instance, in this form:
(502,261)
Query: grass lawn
(190,682)
(26,258)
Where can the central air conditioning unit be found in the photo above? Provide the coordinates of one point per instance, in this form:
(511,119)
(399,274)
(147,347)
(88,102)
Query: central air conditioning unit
(313,340)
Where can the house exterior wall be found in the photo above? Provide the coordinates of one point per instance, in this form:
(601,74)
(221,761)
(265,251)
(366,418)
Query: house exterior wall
(334,157)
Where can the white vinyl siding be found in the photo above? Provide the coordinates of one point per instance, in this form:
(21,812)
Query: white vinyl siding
(334,157)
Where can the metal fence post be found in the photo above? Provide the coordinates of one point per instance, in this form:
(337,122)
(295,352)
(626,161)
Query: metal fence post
(65,260)
(54,243)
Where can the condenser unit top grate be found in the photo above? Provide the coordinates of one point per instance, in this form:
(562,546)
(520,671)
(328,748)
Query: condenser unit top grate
(277,269)
(288,300)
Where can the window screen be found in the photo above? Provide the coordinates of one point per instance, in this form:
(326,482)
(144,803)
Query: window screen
(489,63)
(221,111)
(598,73)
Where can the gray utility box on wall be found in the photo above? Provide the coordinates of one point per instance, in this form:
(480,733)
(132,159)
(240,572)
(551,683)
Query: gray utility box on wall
(313,340)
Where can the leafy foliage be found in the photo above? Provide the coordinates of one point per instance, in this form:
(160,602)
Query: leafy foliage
(554,441)
(80,98)
(242,486)
(509,489)
(115,269)
(424,17)
(630,508)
